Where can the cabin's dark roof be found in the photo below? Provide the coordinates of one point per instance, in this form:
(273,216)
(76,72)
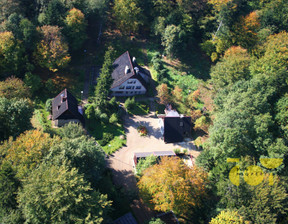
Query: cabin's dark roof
(118,74)
(176,128)
(65,103)
(125,219)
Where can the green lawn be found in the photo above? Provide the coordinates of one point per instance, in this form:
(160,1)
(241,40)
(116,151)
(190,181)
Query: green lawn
(140,108)
(96,129)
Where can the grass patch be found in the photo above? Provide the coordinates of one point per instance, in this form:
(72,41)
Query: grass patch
(97,128)
(140,108)
(115,144)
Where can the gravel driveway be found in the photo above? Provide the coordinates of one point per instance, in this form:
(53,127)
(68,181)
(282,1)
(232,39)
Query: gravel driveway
(121,161)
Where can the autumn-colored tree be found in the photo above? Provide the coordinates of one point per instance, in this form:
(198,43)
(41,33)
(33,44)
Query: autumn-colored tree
(171,185)
(218,4)
(14,88)
(163,93)
(177,94)
(227,217)
(52,51)
(193,99)
(27,151)
(245,31)
(232,67)
(274,62)
(76,28)
(128,15)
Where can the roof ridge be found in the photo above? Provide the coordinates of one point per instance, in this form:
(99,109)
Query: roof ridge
(60,93)
(130,63)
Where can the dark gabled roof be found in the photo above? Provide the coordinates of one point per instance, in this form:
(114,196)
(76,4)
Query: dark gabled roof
(176,128)
(125,219)
(118,74)
(65,103)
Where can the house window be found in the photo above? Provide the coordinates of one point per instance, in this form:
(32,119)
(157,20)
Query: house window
(133,87)
(130,82)
(128,87)
(138,87)
(121,87)
(119,92)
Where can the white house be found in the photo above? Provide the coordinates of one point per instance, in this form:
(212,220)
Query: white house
(129,78)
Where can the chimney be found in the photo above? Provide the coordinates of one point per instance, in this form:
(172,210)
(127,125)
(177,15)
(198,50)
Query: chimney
(136,69)
(127,69)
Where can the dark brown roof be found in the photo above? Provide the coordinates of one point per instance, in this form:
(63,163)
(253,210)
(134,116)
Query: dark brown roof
(118,74)
(65,106)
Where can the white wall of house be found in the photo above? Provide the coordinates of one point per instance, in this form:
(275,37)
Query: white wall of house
(130,87)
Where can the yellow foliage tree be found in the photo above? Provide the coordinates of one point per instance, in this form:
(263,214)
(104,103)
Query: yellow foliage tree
(227,217)
(27,151)
(171,185)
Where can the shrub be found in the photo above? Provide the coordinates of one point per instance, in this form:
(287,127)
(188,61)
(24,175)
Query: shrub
(129,103)
(145,163)
(72,130)
(104,117)
(177,151)
(90,112)
(98,114)
(48,105)
(113,119)
(142,130)
(107,137)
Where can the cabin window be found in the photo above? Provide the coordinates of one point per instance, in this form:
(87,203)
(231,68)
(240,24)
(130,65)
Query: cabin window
(121,87)
(138,87)
(128,87)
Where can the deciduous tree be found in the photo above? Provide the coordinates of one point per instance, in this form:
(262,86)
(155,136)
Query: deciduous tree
(128,15)
(170,39)
(14,117)
(14,88)
(163,94)
(58,194)
(12,58)
(75,28)
(52,51)
(227,217)
(83,154)
(233,67)
(171,185)
(27,151)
